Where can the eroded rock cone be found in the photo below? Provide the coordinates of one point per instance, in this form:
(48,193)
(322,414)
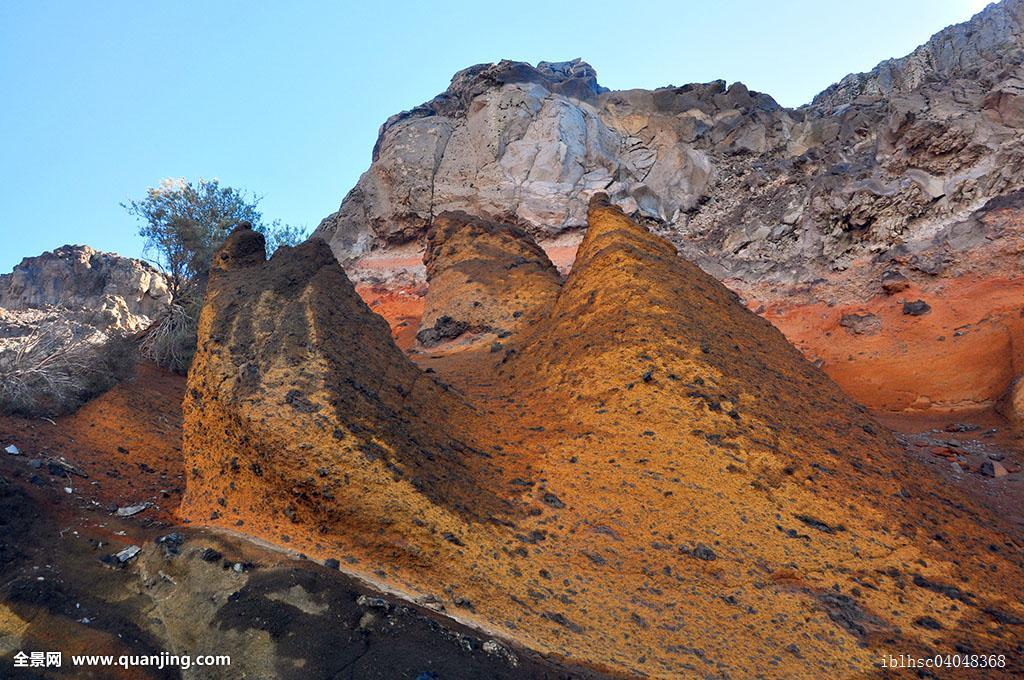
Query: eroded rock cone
(297,397)
(667,487)
(484,276)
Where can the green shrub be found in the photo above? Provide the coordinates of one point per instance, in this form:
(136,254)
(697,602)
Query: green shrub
(184,223)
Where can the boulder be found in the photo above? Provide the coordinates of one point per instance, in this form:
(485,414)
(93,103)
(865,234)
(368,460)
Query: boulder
(861,324)
(916,308)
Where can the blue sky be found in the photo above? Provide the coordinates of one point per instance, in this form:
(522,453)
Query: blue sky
(103,99)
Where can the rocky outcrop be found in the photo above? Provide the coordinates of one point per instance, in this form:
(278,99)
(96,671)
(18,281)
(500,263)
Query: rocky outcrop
(898,181)
(117,292)
(648,478)
(485,277)
(746,187)
(315,397)
(63,319)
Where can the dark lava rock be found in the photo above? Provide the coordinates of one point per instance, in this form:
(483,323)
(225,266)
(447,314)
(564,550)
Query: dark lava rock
(171,543)
(848,614)
(991,468)
(553,500)
(893,282)
(927,622)
(452,538)
(332,563)
(815,523)
(702,552)
(916,308)
(699,552)
(445,328)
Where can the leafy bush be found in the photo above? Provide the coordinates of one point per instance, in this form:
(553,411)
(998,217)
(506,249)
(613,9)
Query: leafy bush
(184,224)
(51,373)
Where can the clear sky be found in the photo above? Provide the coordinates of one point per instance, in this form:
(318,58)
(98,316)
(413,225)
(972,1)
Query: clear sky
(99,100)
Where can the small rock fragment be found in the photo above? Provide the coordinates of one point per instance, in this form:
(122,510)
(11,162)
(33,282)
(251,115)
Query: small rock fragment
(553,500)
(916,308)
(13,450)
(699,551)
(372,602)
(129,510)
(993,468)
(893,282)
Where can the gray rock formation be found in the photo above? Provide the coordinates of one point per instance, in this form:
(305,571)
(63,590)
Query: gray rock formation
(73,298)
(102,290)
(747,188)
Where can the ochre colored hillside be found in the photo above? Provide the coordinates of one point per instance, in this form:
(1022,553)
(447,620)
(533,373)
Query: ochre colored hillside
(648,478)
(485,277)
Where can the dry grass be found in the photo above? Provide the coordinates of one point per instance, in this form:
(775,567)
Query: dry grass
(171,341)
(52,373)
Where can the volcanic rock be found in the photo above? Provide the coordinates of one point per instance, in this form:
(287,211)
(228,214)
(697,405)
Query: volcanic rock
(861,324)
(712,451)
(916,308)
(873,158)
(114,291)
(295,376)
(893,282)
(915,165)
(483,275)
(991,468)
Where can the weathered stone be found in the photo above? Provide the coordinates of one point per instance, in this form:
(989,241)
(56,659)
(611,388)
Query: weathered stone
(117,291)
(916,308)
(877,160)
(893,281)
(861,324)
(993,468)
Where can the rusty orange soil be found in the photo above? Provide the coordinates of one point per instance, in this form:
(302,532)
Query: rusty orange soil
(128,442)
(649,479)
(960,355)
(402,308)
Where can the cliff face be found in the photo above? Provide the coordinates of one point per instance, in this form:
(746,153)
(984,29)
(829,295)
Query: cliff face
(81,277)
(909,171)
(753,188)
(646,477)
(73,299)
